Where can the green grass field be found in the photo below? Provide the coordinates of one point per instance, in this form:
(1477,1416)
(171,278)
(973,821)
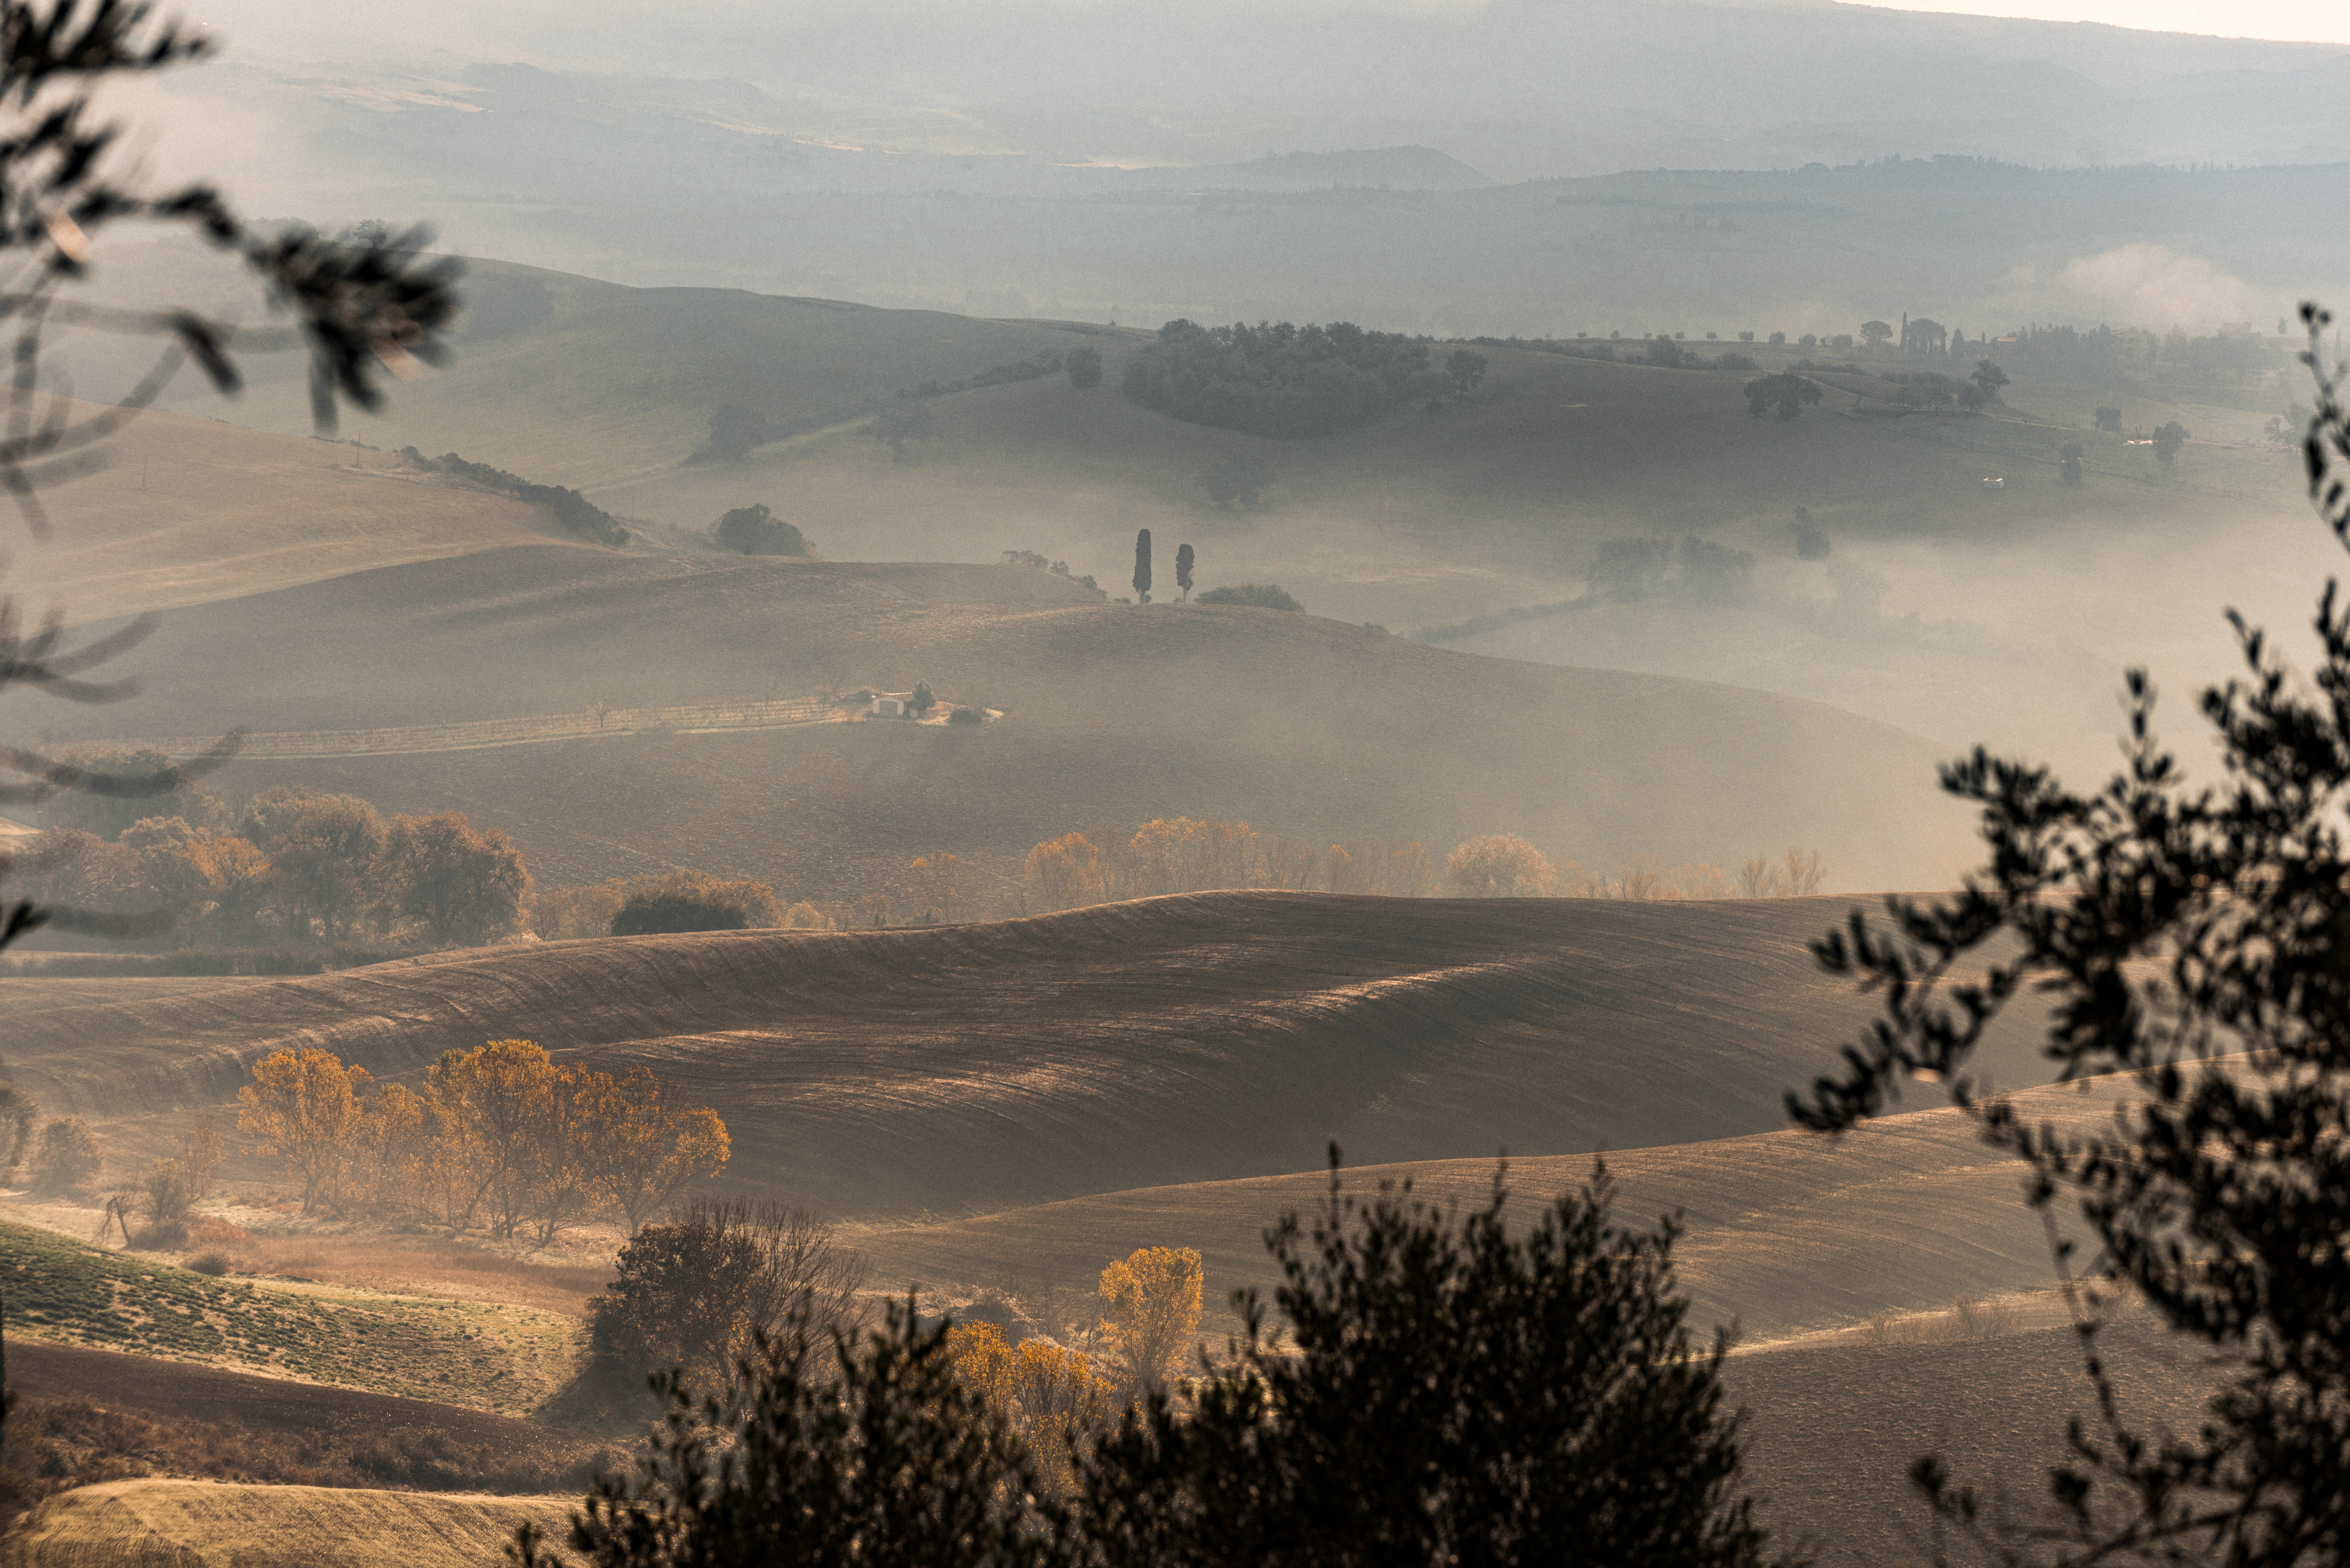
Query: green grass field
(506,1359)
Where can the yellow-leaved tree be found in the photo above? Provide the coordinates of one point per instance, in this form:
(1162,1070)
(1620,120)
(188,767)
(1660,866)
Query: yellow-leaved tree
(1050,1394)
(653,1147)
(1151,1306)
(1499,866)
(502,1133)
(1064,873)
(304,1107)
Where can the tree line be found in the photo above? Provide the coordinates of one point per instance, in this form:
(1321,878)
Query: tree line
(501,1139)
(293,865)
(1181,855)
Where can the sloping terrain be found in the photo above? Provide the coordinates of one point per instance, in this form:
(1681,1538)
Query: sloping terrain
(567,379)
(197,1525)
(1114,715)
(1788,1232)
(248,1408)
(190,509)
(1835,1428)
(967,1069)
(493,1355)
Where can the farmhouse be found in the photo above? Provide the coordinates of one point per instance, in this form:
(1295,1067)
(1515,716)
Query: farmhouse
(890,704)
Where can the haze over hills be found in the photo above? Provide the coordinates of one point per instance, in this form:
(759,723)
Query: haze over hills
(1307,728)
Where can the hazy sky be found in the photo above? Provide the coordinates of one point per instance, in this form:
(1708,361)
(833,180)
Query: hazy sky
(2315,21)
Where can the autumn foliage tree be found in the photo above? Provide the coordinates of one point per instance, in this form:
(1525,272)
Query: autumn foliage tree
(303,1107)
(1499,866)
(463,885)
(1150,1308)
(502,1138)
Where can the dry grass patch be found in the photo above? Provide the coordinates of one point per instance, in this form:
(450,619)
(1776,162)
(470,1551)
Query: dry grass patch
(181,1522)
(423,1267)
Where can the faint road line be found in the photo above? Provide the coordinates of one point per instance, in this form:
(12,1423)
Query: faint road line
(686,719)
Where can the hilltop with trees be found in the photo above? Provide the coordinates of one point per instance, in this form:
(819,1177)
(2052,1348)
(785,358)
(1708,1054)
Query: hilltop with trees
(1279,381)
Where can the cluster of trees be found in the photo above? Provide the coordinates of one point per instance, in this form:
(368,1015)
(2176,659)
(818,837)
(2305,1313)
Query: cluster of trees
(1184,855)
(1782,391)
(502,1138)
(695,1292)
(64,1154)
(572,511)
(1504,865)
(1280,380)
(673,901)
(1438,1390)
(1253,595)
(294,864)
(1058,568)
(1181,855)
(754,530)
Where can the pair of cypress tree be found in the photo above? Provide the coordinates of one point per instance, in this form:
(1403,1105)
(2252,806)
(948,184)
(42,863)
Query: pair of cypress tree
(1183,560)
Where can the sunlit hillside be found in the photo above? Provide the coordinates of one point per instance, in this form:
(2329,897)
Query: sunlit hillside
(979,1068)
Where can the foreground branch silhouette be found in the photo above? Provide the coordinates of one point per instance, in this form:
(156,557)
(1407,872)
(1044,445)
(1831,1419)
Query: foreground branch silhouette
(2198,940)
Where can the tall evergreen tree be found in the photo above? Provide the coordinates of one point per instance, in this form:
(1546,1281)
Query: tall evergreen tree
(1142,564)
(1183,560)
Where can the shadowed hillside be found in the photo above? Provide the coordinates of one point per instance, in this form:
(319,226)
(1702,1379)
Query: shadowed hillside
(1836,1428)
(1114,715)
(1788,1232)
(972,1068)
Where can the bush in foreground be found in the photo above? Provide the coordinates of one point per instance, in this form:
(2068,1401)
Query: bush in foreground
(1455,1394)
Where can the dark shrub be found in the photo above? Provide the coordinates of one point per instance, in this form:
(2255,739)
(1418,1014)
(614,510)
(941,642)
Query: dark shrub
(1253,595)
(659,913)
(755,531)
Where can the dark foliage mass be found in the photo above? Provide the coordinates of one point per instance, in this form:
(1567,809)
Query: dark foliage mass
(1546,1381)
(1784,393)
(659,913)
(1253,595)
(1445,1393)
(572,511)
(2193,937)
(830,1449)
(755,531)
(1280,380)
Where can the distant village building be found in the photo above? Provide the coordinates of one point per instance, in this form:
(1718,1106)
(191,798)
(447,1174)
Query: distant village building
(1994,485)
(890,704)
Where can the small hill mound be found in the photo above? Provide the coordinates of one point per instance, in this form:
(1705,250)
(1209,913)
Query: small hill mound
(1113,715)
(972,1068)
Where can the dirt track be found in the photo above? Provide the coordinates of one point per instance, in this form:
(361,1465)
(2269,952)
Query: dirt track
(966,1069)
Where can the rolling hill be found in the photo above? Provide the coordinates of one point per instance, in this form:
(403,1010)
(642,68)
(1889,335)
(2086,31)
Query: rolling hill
(1114,715)
(189,509)
(1789,1234)
(1941,607)
(963,1070)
